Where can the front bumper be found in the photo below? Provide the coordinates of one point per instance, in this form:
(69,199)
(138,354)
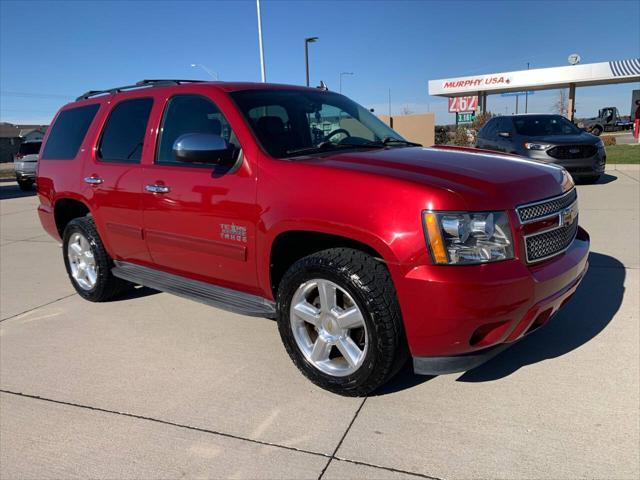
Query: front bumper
(575,166)
(457,317)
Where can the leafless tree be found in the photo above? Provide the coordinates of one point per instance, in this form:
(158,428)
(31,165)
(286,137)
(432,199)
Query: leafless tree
(406,110)
(562,103)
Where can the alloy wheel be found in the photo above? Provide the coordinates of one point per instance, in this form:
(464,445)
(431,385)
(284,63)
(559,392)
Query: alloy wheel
(82,262)
(328,327)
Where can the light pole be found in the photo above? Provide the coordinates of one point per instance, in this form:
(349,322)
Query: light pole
(526,97)
(263,73)
(307,41)
(341,74)
(211,73)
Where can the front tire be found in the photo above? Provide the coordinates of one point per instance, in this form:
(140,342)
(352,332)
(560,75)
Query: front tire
(88,263)
(340,321)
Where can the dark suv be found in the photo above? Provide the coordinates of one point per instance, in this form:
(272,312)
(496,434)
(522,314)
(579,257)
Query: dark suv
(547,138)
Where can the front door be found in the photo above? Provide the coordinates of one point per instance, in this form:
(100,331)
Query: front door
(200,219)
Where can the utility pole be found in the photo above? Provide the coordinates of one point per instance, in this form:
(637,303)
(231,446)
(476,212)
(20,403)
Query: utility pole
(262,69)
(390,117)
(307,41)
(526,97)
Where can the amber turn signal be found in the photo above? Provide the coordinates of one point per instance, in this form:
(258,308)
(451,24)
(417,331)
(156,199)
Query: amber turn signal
(435,238)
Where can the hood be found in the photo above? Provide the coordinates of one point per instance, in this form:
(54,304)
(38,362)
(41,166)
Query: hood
(582,138)
(468,179)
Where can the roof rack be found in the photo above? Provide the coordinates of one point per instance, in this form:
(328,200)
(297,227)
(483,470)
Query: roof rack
(140,84)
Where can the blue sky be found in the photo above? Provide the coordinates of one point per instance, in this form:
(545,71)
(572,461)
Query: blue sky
(52,51)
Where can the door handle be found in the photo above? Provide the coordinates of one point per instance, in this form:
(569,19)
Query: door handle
(157,188)
(93,180)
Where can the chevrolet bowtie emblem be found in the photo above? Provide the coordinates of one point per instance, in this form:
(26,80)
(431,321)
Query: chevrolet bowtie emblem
(569,214)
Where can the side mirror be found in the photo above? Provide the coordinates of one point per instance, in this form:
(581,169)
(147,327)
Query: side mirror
(201,148)
(504,134)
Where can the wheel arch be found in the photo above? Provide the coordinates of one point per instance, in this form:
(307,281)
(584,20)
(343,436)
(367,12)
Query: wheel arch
(66,209)
(288,246)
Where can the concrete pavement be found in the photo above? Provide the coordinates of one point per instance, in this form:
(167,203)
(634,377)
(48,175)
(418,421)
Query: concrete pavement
(153,385)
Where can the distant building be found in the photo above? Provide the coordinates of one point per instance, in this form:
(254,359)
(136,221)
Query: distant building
(11,136)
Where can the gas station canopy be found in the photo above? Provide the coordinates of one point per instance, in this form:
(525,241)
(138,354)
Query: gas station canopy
(581,75)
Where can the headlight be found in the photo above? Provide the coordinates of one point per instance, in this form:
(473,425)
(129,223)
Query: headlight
(600,144)
(536,146)
(468,238)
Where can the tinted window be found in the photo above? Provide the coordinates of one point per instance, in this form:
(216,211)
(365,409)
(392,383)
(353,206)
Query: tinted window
(68,132)
(191,114)
(504,125)
(123,135)
(29,148)
(545,125)
(489,130)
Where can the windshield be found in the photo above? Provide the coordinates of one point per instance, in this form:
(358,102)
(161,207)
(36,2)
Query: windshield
(297,122)
(29,148)
(544,125)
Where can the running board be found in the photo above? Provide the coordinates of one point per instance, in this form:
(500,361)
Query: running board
(220,297)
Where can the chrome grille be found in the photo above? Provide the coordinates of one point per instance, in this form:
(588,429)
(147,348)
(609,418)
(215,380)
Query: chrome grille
(547,244)
(545,208)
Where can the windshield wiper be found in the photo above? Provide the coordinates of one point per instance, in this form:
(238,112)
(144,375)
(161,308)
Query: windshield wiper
(326,146)
(389,140)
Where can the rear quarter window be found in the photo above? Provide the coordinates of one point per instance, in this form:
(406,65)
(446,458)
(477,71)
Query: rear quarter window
(68,132)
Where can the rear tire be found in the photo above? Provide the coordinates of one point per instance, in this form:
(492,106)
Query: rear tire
(25,185)
(87,262)
(362,288)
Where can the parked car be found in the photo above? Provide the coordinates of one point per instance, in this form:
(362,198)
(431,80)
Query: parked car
(25,162)
(366,248)
(549,139)
(608,120)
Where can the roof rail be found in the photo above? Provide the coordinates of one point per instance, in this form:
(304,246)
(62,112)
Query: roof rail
(140,84)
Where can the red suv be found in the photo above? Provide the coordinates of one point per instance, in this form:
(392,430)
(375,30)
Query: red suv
(298,204)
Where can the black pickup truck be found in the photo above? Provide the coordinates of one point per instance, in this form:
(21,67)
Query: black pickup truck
(608,120)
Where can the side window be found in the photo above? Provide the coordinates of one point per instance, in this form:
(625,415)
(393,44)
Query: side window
(68,132)
(506,124)
(489,130)
(190,114)
(123,135)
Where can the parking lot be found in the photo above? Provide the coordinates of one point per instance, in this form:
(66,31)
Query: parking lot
(153,385)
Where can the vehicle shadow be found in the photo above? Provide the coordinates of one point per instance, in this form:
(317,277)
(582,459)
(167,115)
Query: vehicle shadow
(603,180)
(588,313)
(11,190)
(136,292)
(403,380)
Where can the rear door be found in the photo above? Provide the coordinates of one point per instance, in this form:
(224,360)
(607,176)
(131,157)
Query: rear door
(113,178)
(200,219)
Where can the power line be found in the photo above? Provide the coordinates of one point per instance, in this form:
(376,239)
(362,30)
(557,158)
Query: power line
(6,93)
